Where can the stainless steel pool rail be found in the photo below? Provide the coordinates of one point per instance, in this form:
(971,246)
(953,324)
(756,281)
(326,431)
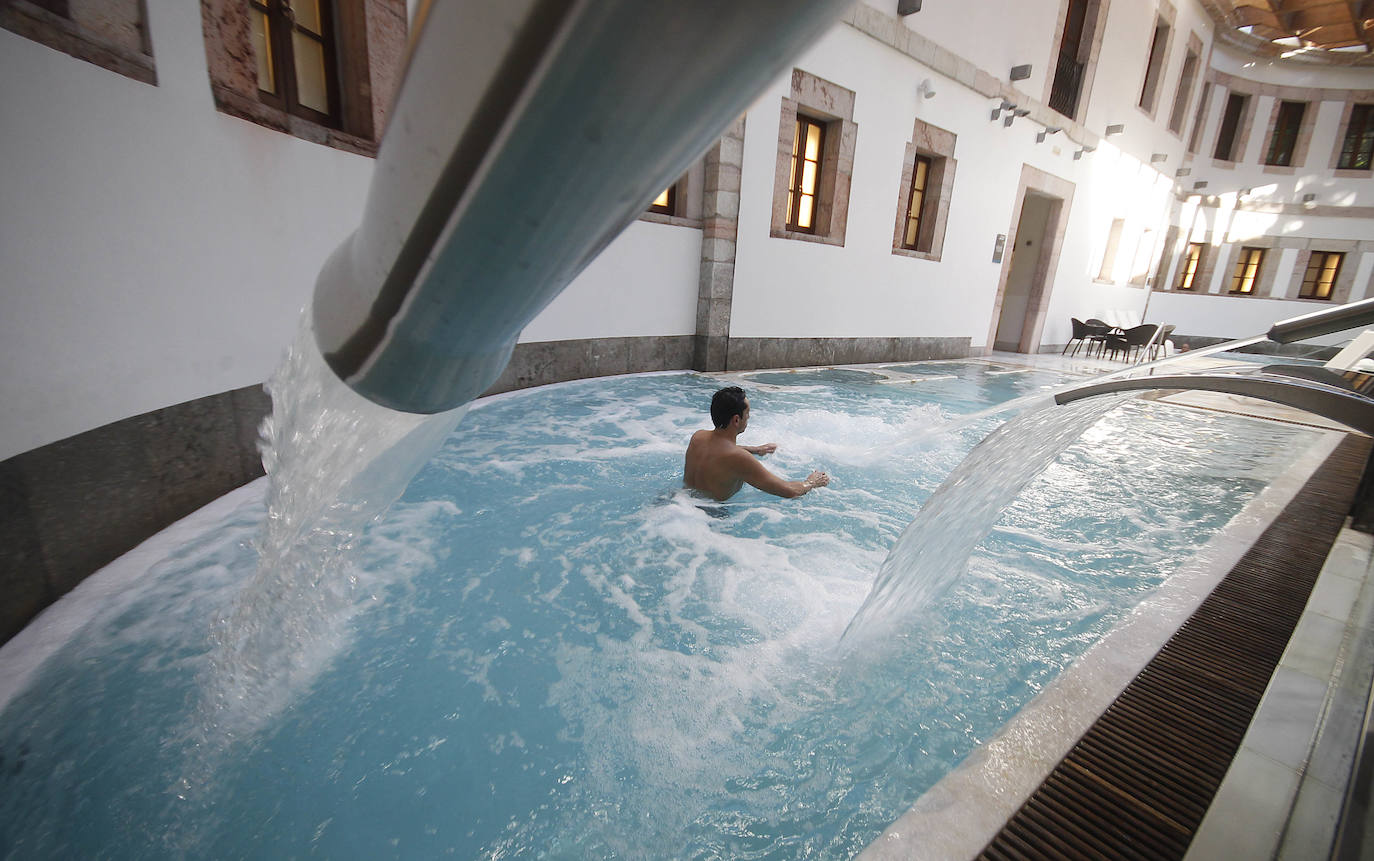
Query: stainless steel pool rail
(526,136)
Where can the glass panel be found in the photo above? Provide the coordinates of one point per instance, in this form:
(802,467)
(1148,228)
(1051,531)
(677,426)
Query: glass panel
(808,183)
(308,15)
(312,91)
(909,240)
(662,199)
(804,216)
(813,142)
(796,140)
(262,31)
(919,180)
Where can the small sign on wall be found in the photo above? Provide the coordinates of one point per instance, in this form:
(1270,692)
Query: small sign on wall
(998,247)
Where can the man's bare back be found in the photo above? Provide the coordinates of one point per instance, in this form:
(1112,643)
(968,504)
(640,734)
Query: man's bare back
(718,466)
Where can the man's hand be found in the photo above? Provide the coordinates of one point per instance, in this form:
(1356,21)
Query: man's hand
(766,448)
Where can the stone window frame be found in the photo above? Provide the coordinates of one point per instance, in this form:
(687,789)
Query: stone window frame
(1183,93)
(1094,25)
(1177,243)
(1200,118)
(111,34)
(1241,141)
(1345,279)
(1305,126)
(370,45)
(1156,67)
(937,145)
(823,100)
(1356,97)
(1264,278)
(687,201)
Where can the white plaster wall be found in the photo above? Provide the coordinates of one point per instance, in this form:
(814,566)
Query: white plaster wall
(793,288)
(643,284)
(155,250)
(963,28)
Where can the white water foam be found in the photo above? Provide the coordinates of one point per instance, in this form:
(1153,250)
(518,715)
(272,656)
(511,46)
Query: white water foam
(335,462)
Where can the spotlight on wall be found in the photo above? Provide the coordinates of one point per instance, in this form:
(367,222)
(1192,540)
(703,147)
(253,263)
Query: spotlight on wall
(926,89)
(1049,130)
(1115,129)
(1309,198)
(1005,106)
(1079,154)
(1183,171)
(1201,183)
(1020,73)
(1158,158)
(908,7)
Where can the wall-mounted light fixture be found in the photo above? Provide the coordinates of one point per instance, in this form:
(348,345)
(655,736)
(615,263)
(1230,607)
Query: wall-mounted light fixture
(1079,154)
(926,89)
(1183,171)
(1005,106)
(1309,198)
(1115,129)
(1201,183)
(1049,130)
(1158,157)
(1020,73)
(908,7)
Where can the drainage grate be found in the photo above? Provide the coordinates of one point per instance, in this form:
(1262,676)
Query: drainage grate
(1139,782)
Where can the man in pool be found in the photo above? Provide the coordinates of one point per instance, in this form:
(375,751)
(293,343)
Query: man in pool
(718,466)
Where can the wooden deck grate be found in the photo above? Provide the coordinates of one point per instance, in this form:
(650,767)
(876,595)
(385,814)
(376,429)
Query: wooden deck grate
(1140,780)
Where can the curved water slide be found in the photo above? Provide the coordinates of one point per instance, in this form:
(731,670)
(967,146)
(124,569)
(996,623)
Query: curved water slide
(526,135)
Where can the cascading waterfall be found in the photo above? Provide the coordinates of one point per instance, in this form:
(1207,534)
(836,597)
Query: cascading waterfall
(932,552)
(335,462)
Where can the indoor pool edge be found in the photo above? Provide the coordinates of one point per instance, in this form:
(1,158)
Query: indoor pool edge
(957,816)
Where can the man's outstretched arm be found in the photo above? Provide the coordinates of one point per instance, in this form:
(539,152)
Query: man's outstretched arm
(758,475)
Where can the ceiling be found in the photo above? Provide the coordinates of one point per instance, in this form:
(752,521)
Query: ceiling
(1335,30)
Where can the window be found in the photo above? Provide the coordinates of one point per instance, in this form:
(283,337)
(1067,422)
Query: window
(321,70)
(1357,147)
(1109,254)
(666,202)
(923,199)
(808,144)
(1071,67)
(1154,66)
(112,34)
(916,202)
(1187,270)
(1185,88)
(1284,140)
(1323,268)
(1247,270)
(815,162)
(293,44)
(1230,125)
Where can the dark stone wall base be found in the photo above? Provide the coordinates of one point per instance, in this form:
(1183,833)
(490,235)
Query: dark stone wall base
(73,506)
(747,354)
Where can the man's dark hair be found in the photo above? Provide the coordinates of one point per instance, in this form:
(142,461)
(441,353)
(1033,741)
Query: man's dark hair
(726,404)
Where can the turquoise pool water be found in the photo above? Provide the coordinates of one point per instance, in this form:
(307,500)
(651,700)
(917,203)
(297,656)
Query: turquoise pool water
(555,652)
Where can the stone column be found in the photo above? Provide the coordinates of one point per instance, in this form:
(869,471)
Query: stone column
(719,227)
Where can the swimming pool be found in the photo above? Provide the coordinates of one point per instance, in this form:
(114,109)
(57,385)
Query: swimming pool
(555,652)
